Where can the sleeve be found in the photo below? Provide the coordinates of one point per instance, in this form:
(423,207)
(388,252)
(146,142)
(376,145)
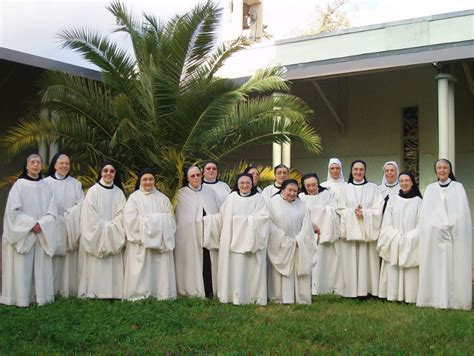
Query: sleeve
(17,225)
(349,224)
(48,237)
(307,247)
(212,230)
(373,217)
(409,249)
(250,233)
(153,231)
(387,244)
(328,221)
(281,250)
(101,237)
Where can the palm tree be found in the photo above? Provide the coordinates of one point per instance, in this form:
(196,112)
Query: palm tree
(164,104)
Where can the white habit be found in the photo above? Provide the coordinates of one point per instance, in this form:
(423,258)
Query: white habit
(292,252)
(191,239)
(445,248)
(27,267)
(398,246)
(221,189)
(268,192)
(326,276)
(102,241)
(361,265)
(149,223)
(244,228)
(68,195)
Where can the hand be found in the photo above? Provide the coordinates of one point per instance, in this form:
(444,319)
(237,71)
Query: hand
(316,229)
(36,229)
(358,213)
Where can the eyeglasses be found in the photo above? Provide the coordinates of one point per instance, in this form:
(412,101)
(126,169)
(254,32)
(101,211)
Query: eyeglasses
(211,168)
(196,175)
(106,170)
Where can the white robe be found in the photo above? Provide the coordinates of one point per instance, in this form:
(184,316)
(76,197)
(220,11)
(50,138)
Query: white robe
(27,267)
(292,250)
(326,276)
(149,223)
(221,189)
(242,227)
(102,241)
(390,191)
(361,264)
(446,248)
(68,195)
(334,187)
(398,246)
(191,239)
(268,192)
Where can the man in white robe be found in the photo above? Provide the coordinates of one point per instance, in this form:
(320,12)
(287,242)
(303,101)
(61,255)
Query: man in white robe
(242,229)
(68,195)
(149,222)
(103,237)
(398,243)
(29,239)
(445,244)
(360,208)
(326,276)
(291,247)
(194,250)
(210,173)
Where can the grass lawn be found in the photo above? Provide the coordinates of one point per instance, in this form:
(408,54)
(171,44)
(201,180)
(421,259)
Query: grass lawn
(330,324)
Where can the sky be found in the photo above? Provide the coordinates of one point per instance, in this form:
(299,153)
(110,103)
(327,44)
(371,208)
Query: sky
(32,25)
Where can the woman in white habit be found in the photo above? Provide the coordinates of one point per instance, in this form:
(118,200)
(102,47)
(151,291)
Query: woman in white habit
(68,195)
(210,178)
(242,229)
(326,276)
(195,254)
(390,186)
(335,178)
(29,239)
(150,226)
(291,247)
(360,208)
(103,237)
(281,173)
(398,244)
(445,243)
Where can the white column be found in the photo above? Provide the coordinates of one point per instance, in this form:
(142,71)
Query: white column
(451,125)
(276,156)
(446,132)
(286,154)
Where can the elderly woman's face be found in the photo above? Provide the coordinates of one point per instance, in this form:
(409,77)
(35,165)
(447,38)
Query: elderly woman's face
(194,177)
(33,166)
(147,182)
(442,170)
(281,174)
(311,185)
(210,172)
(256,176)
(63,165)
(108,174)
(290,192)
(244,184)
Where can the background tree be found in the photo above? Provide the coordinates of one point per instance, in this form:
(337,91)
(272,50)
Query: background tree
(163,104)
(329,18)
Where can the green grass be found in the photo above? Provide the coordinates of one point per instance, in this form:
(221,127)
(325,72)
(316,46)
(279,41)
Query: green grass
(331,324)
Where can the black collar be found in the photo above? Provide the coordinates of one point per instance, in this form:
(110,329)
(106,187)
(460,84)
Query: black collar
(357,184)
(27,177)
(54,177)
(215,182)
(104,186)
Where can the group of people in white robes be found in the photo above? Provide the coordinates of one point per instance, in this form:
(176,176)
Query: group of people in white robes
(241,245)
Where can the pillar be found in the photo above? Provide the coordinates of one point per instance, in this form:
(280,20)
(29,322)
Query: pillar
(446,119)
